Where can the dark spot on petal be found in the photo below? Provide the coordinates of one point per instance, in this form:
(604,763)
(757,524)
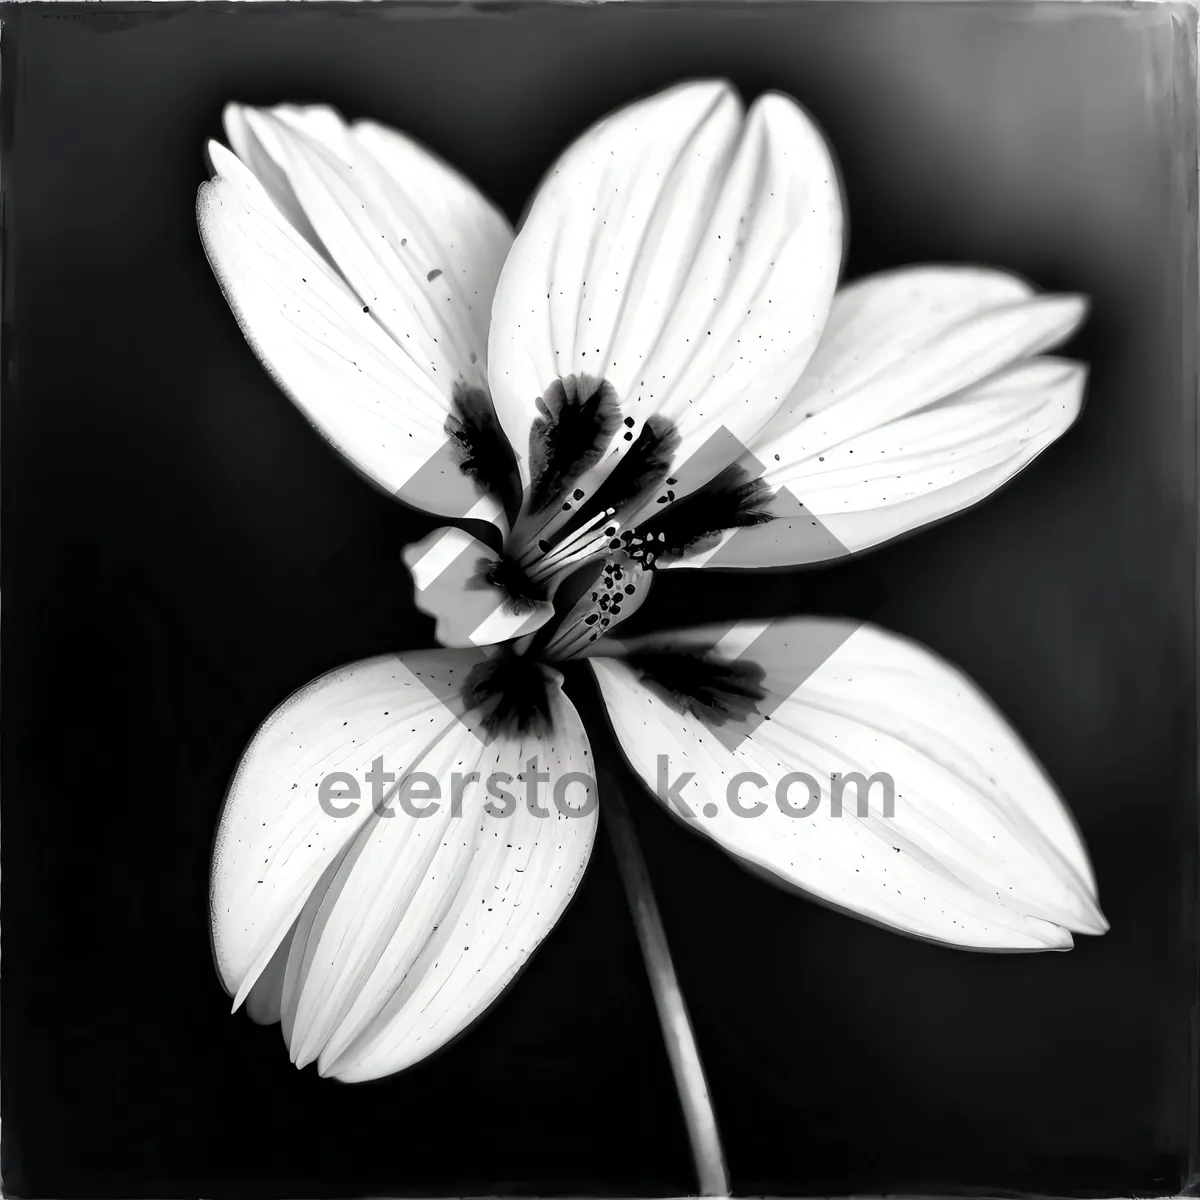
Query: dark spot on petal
(642,468)
(478,445)
(577,422)
(730,501)
(715,689)
(510,694)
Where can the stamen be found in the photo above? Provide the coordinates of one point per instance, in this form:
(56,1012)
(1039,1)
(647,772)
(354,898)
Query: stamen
(570,555)
(544,550)
(620,482)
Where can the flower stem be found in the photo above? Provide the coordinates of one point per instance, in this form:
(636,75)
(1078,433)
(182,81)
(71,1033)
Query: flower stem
(698,1114)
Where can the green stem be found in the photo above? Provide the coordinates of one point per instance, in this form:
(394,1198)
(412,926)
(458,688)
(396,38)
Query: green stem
(698,1114)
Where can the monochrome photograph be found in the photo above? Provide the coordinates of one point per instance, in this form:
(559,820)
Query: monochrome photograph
(600,599)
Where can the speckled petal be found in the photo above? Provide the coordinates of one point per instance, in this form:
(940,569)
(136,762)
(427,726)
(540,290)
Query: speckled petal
(682,251)
(964,839)
(361,269)
(378,924)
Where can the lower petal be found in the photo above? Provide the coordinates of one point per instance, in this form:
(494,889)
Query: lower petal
(355,898)
(860,769)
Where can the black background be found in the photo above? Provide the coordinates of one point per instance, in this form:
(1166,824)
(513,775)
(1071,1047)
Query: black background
(180,551)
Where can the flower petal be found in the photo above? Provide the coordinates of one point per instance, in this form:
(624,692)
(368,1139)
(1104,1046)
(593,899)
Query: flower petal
(682,252)
(417,242)
(395,930)
(450,571)
(910,472)
(901,340)
(256,157)
(978,849)
(328,264)
(942,460)
(898,344)
(275,840)
(447,219)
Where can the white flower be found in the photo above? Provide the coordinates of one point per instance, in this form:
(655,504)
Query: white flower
(657,372)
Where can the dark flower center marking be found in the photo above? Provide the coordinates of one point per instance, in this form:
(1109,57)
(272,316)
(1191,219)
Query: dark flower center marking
(713,689)
(575,516)
(478,445)
(732,500)
(643,467)
(522,594)
(579,416)
(509,696)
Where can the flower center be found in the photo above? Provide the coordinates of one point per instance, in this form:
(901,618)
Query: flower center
(586,466)
(608,598)
(529,577)
(593,473)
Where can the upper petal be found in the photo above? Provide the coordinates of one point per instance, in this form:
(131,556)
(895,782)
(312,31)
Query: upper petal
(361,270)
(379,935)
(417,241)
(682,251)
(977,849)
